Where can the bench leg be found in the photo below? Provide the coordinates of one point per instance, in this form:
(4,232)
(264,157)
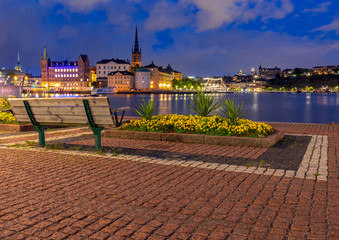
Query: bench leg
(117,122)
(97,134)
(41,131)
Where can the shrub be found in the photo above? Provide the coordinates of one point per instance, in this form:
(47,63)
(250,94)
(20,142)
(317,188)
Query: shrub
(6,117)
(233,111)
(147,110)
(203,104)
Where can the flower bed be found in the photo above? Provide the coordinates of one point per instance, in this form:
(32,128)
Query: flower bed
(194,129)
(215,125)
(7,118)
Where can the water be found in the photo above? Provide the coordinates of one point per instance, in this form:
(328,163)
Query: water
(273,107)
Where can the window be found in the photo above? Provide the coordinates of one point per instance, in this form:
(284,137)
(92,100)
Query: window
(104,67)
(104,72)
(99,67)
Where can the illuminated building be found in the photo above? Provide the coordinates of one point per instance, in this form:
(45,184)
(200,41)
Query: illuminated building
(93,75)
(326,69)
(106,66)
(136,53)
(65,75)
(18,64)
(269,73)
(142,79)
(121,80)
(161,78)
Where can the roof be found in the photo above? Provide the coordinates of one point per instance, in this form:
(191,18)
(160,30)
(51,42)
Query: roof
(152,65)
(83,57)
(62,64)
(118,61)
(121,72)
(142,70)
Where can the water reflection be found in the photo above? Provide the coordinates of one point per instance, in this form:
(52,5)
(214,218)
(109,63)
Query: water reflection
(276,107)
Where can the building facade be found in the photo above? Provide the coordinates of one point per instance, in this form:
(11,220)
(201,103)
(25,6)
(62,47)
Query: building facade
(326,69)
(136,52)
(65,75)
(106,66)
(269,73)
(142,79)
(161,78)
(121,80)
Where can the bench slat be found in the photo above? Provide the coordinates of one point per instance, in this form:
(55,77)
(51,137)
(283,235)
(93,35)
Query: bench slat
(43,102)
(78,111)
(66,119)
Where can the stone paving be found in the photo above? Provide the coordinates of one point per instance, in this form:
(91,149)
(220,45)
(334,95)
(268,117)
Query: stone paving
(64,194)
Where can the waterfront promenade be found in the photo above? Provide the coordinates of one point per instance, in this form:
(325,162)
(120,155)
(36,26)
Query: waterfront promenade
(165,190)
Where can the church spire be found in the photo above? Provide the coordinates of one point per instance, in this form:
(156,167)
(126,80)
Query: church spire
(18,63)
(136,42)
(44,57)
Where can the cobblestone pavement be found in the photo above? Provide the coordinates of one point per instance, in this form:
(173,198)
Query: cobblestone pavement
(57,194)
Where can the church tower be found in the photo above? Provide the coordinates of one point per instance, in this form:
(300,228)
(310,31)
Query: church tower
(136,53)
(44,68)
(18,63)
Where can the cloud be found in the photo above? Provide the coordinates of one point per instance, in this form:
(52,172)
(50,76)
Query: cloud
(68,32)
(333,26)
(76,5)
(321,8)
(218,52)
(167,15)
(220,12)
(206,15)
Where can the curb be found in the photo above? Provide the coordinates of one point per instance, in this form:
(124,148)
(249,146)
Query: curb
(198,138)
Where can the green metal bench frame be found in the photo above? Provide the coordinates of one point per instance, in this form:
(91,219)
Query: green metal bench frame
(96,130)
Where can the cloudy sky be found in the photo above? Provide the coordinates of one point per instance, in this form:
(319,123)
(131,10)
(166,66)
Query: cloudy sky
(197,37)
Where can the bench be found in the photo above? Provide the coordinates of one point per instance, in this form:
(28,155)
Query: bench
(83,111)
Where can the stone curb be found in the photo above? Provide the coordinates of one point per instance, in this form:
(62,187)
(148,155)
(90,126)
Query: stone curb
(198,138)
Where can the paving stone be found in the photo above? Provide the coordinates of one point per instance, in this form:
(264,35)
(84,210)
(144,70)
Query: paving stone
(92,196)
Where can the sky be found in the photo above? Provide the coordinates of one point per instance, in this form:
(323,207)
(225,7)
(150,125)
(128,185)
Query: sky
(197,37)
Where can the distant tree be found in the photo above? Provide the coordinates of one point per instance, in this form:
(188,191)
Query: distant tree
(136,67)
(95,84)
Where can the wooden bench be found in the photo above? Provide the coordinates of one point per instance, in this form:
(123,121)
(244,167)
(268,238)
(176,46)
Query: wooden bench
(93,111)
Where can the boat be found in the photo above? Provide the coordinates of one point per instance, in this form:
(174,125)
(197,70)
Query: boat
(106,90)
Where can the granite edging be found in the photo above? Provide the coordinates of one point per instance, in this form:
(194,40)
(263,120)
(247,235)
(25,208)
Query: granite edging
(198,138)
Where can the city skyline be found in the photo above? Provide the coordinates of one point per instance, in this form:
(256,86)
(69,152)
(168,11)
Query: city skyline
(195,37)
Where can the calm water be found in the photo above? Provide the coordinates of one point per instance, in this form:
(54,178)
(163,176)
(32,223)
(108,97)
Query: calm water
(275,107)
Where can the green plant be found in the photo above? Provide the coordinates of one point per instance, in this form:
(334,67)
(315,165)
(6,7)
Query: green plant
(4,104)
(202,104)
(147,110)
(233,111)
(30,143)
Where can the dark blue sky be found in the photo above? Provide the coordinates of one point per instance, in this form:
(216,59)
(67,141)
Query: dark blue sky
(198,37)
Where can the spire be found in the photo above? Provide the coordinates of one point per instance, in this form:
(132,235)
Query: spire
(44,57)
(18,63)
(136,42)
(18,60)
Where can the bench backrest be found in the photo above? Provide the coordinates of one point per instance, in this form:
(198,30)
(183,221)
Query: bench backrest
(63,111)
